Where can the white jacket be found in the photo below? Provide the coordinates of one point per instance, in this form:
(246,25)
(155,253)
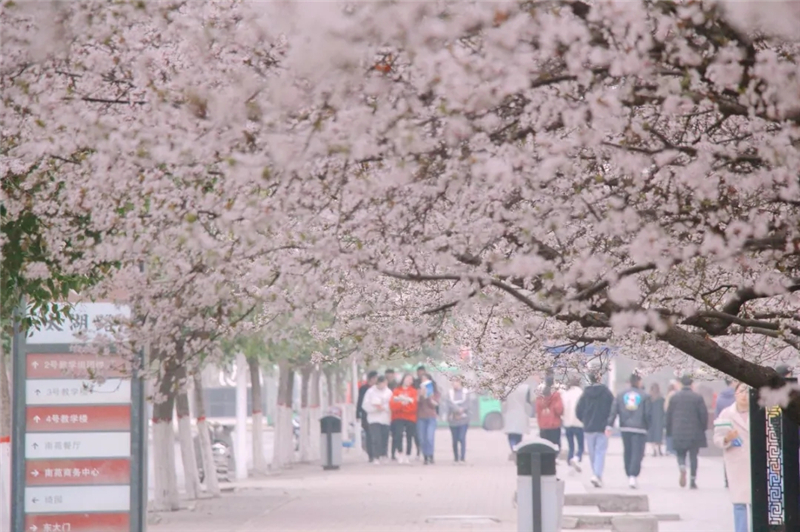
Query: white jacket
(570,399)
(375,398)
(517,411)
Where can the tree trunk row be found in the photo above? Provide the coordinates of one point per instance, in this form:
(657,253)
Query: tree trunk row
(259,460)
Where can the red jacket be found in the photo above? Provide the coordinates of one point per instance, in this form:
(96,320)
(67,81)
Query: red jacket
(404,404)
(549,411)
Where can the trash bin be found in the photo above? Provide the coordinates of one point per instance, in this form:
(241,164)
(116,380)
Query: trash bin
(540,495)
(331,444)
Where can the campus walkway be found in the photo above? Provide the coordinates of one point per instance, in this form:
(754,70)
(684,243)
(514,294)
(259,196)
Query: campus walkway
(439,498)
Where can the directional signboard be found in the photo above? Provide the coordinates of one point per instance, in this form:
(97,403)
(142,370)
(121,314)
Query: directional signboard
(78,442)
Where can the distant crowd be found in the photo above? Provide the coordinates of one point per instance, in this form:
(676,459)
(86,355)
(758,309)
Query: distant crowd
(393,412)
(677,422)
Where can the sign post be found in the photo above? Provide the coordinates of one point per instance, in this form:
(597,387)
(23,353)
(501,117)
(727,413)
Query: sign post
(775,468)
(78,442)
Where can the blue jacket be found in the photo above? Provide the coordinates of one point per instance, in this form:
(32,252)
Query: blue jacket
(725,398)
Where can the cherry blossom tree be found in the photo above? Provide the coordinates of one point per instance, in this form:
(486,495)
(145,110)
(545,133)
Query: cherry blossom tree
(551,170)
(503,175)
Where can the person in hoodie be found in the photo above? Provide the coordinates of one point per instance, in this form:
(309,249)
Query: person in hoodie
(573,428)
(404,417)
(549,410)
(458,414)
(632,407)
(379,416)
(593,410)
(426,416)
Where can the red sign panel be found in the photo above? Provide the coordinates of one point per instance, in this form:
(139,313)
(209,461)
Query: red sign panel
(77,472)
(117,522)
(78,418)
(75,366)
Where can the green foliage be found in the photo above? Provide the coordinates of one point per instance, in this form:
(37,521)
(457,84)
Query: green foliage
(24,244)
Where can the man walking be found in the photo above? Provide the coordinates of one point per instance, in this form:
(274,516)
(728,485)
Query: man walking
(687,421)
(593,410)
(391,379)
(632,408)
(379,417)
(573,428)
(372,378)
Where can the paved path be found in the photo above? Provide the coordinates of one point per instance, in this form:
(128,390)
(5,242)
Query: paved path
(707,509)
(394,498)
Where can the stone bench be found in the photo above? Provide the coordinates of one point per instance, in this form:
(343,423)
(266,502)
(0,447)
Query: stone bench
(634,523)
(609,502)
(620,522)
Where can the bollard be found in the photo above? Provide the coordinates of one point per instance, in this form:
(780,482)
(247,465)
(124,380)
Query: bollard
(540,495)
(331,444)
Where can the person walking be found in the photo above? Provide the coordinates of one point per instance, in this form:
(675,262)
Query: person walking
(427,416)
(732,435)
(549,411)
(404,417)
(633,410)
(391,379)
(421,372)
(725,399)
(379,416)
(655,429)
(687,419)
(674,387)
(593,410)
(458,417)
(573,428)
(516,416)
(372,378)
(391,383)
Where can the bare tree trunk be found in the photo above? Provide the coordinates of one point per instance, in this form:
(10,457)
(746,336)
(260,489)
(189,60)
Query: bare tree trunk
(191,477)
(166,479)
(305,417)
(5,443)
(283,451)
(340,380)
(330,386)
(5,397)
(259,460)
(209,465)
(314,413)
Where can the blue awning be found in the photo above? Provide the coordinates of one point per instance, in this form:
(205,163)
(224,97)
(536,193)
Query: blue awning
(588,350)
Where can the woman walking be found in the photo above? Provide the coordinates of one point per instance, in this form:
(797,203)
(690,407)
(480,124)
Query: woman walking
(404,418)
(655,431)
(516,416)
(674,386)
(732,434)
(458,415)
(426,416)
(549,410)
(376,405)
(573,428)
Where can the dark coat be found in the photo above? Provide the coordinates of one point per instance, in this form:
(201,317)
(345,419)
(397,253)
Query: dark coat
(594,407)
(655,430)
(687,420)
(362,391)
